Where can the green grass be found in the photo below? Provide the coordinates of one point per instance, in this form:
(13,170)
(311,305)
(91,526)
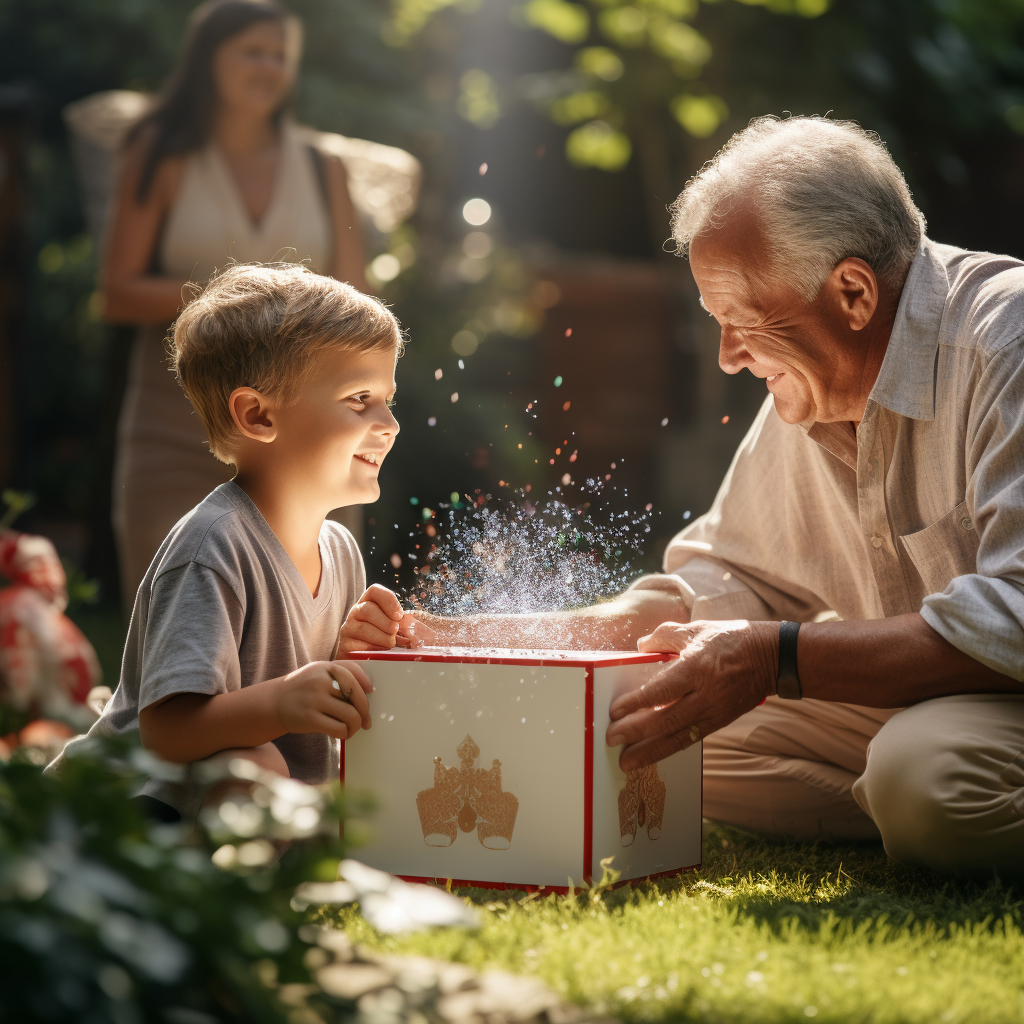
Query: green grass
(766,932)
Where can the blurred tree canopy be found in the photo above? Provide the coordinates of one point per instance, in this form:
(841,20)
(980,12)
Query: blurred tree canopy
(664,82)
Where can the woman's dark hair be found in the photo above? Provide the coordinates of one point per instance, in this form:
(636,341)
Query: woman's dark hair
(182,115)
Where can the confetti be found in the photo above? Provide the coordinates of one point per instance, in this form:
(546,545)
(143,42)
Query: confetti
(725,419)
(431,421)
(566,480)
(520,557)
(568,332)
(455,396)
(572,458)
(614,466)
(558,382)
(462,365)
(686,514)
(520,446)
(565,406)
(396,560)
(483,170)
(414,501)
(648,507)
(551,461)
(438,374)
(664,422)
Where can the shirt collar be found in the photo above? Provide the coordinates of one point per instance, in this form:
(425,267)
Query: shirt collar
(906,381)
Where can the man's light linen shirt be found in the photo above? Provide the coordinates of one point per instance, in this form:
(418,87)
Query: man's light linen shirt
(920,509)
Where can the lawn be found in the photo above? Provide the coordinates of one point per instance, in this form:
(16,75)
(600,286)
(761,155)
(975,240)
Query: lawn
(765,932)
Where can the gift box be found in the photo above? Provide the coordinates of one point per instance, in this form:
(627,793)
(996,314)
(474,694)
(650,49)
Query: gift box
(490,768)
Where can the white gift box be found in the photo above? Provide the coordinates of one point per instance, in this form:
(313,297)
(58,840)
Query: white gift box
(490,768)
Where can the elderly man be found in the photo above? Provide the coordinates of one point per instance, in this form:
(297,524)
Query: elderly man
(876,506)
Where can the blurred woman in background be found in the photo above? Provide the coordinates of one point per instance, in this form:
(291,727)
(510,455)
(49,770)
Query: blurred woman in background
(215,171)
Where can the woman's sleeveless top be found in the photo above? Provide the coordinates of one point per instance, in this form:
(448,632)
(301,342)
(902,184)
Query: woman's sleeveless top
(208,223)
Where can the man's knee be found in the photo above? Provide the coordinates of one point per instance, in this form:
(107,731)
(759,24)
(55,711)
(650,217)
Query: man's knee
(902,789)
(935,799)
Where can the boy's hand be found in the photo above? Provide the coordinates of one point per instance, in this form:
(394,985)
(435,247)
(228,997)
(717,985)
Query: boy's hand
(325,696)
(378,622)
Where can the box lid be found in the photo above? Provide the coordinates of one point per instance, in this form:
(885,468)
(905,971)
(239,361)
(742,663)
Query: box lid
(513,656)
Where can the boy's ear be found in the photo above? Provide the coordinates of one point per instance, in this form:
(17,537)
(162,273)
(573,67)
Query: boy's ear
(252,414)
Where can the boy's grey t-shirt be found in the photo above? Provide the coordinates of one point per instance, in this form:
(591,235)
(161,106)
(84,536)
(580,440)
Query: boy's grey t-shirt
(223,606)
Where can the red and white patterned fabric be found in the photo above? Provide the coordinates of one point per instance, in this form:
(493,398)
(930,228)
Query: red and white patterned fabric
(47,666)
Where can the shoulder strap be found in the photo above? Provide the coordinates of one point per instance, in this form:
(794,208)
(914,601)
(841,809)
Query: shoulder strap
(320,170)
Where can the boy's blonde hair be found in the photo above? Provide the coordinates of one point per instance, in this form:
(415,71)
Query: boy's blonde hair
(261,325)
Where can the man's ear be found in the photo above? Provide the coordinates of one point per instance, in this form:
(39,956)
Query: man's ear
(855,289)
(252,413)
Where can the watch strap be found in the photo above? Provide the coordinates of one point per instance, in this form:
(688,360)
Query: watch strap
(787,683)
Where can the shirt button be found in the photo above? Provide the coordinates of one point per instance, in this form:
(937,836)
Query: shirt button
(876,541)
(966,523)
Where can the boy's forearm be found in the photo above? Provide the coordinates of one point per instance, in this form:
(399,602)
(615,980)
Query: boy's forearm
(612,625)
(192,726)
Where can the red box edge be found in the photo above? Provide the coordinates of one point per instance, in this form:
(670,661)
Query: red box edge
(628,658)
(588,775)
(561,890)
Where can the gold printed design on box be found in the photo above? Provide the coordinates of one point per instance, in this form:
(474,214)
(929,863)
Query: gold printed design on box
(641,801)
(467,798)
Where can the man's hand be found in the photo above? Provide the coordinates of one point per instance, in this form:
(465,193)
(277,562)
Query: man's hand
(378,622)
(724,669)
(324,696)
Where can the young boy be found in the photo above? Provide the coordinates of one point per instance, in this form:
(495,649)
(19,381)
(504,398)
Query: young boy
(240,623)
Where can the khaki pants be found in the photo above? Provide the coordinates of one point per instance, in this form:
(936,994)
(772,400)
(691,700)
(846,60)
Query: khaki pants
(940,783)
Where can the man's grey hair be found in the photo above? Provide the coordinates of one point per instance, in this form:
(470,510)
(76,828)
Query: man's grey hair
(822,191)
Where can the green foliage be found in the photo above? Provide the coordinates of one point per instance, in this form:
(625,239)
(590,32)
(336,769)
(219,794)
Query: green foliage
(568,23)
(16,503)
(107,916)
(664,82)
(598,145)
(766,932)
(478,99)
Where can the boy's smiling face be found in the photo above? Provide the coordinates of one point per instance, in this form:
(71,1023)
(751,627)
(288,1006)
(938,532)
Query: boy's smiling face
(335,434)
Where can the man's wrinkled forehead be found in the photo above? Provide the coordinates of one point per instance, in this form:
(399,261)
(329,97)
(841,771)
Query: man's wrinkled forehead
(729,259)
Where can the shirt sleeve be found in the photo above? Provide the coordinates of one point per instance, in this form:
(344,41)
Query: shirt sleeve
(348,562)
(982,613)
(738,558)
(193,634)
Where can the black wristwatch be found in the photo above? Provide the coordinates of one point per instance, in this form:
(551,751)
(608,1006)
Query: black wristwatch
(787,683)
